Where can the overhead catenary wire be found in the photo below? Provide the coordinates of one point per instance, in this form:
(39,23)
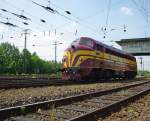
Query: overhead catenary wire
(142,10)
(45,25)
(104,29)
(51,10)
(72,18)
(75,19)
(23,22)
(108,12)
(46,8)
(18,15)
(32,16)
(35,17)
(8,24)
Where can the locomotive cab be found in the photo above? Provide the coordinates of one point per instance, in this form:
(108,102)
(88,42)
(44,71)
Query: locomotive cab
(86,42)
(82,43)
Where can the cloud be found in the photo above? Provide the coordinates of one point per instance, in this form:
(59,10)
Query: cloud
(126,10)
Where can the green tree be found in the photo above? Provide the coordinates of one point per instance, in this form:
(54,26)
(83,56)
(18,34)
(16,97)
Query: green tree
(36,63)
(9,58)
(14,62)
(26,61)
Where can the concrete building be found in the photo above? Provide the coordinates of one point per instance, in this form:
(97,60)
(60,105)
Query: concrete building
(136,46)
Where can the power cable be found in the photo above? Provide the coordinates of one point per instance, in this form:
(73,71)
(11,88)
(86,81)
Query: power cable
(19,16)
(36,18)
(108,12)
(42,20)
(140,9)
(104,30)
(86,26)
(51,10)
(9,24)
(4,17)
(75,19)
(46,8)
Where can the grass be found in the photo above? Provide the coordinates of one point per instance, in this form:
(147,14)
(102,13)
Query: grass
(52,113)
(23,110)
(144,73)
(125,93)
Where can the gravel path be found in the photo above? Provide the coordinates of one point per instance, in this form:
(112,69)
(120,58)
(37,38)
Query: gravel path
(137,111)
(13,97)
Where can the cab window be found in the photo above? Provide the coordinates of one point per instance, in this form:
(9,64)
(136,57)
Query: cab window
(86,42)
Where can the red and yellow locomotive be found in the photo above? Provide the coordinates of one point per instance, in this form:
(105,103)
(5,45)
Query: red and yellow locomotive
(87,58)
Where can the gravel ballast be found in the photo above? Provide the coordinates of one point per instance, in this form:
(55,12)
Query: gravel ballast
(14,97)
(137,111)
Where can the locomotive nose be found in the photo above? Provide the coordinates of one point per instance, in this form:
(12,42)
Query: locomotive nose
(66,59)
(64,62)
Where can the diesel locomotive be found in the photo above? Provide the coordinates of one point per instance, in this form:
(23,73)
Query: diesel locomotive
(87,59)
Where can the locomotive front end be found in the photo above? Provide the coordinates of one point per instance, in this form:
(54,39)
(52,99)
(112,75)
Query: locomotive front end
(69,71)
(74,62)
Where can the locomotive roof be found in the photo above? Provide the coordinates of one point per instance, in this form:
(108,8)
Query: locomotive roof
(112,48)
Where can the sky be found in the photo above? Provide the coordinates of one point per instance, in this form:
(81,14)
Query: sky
(88,18)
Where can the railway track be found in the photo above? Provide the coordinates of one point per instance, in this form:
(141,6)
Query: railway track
(23,77)
(84,107)
(36,82)
(28,81)
(4,84)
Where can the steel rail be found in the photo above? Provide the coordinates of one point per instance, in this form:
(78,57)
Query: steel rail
(7,84)
(107,110)
(31,108)
(25,77)
(13,82)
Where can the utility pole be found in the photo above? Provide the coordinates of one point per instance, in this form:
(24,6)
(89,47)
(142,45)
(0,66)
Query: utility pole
(25,37)
(55,44)
(55,52)
(141,63)
(25,47)
(145,34)
(143,67)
